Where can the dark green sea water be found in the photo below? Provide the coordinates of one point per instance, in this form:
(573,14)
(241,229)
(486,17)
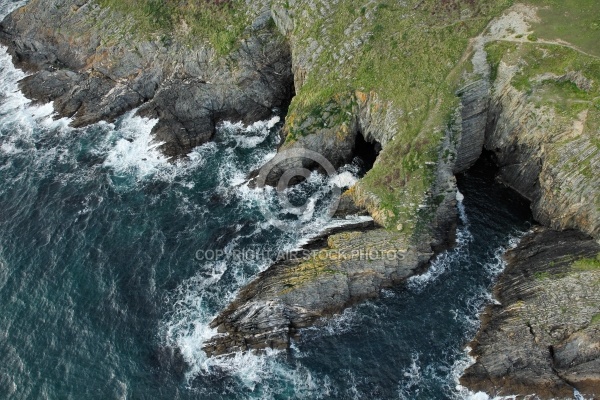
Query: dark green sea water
(101,295)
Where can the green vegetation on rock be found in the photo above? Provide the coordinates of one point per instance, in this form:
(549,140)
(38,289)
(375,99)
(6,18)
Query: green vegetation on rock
(587,264)
(557,96)
(220,23)
(409,55)
(573,21)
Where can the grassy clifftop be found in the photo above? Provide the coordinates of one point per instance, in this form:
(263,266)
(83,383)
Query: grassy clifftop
(400,63)
(409,56)
(403,60)
(552,87)
(221,23)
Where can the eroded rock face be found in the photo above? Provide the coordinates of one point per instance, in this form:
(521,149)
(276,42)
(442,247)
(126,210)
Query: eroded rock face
(475,99)
(346,268)
(80,59)
(541,155)
(296,293)
(543,336)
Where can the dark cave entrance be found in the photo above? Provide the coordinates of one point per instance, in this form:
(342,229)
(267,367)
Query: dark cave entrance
(366,152)
(482,184)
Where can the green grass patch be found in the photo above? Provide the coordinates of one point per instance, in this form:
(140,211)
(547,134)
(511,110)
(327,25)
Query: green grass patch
(567,81)
(220,24)
(541,275)
(410,61)
(574,21)
(543,70)
(596,319)
(587,264)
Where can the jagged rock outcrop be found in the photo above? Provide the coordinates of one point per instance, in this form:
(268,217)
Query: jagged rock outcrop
(295,293)
(339,270)
(80,59)
(545,157)
(93,71)
(543,335)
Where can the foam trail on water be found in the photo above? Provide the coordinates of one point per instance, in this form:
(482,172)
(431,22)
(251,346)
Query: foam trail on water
(460,205)
(19,116)
(444,260)
(412,379)
(471,318)
(250,136)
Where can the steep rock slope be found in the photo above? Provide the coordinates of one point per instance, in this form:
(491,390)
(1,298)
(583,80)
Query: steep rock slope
(389,71)
(295,293)
(543,335)
(543,128)
(97,62)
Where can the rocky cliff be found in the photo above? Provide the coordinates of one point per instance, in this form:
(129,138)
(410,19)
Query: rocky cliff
(549,151)
(542,126)
(425,85)
(543,335)
(95,64)
(339,106)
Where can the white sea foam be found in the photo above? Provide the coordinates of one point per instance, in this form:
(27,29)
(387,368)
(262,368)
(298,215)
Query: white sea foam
(462,213)
(252,135)
(411,379)
(136,151)
(335,325)
(471,318)
(444,260)
(20,118)
(187,325)
(187,328)
(344,179)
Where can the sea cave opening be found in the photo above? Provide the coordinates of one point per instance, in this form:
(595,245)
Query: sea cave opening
(482,181)
(366,151)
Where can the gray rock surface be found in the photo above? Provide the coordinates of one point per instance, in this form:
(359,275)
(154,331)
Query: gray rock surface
(474,100)
(80,60)
(297,292)
(543,335)
(541,154)
(342,268)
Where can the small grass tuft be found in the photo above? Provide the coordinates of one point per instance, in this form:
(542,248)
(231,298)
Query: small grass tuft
(587,264)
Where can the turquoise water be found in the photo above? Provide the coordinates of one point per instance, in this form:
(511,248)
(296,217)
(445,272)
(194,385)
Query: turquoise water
(101,294)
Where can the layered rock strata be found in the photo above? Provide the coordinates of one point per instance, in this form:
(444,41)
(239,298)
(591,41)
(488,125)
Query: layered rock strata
(542,336)
(80,59)
(298,292)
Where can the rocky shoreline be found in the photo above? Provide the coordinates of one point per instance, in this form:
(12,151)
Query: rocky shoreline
(96,72)
(510,104)
(295,293)
(542,336)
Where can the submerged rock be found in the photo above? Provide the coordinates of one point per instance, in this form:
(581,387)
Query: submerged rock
(543,335)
